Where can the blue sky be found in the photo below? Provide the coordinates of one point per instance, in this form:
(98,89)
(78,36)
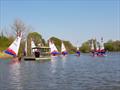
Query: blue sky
(73,20)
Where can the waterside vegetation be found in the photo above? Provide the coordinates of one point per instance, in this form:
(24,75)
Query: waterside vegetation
(19,26)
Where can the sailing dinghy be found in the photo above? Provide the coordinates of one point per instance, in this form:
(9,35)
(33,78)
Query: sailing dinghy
(78,51)
(102,49)
(53,49)
(63,50)
(12,50)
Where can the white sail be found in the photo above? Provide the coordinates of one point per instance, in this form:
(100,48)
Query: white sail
(97,47)
(102,44)
(32,46)
(77,48)
(92,46)
(63,49)
(14,47)
(52,47)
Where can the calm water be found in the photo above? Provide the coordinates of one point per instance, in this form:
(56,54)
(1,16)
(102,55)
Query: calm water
(63,73)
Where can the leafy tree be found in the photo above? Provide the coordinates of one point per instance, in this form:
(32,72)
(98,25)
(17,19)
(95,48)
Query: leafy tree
(112,45)
(85,48)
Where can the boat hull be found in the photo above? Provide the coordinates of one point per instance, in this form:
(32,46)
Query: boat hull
(36,59)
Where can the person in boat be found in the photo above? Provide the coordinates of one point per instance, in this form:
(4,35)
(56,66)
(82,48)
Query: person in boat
(24,52)
(64,53)
(78,53)
(55,53)
(37,53)
(103,52)
(98,52)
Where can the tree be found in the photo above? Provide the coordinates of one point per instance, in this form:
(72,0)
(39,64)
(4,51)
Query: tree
(112,45)
(20,27)
(85,48)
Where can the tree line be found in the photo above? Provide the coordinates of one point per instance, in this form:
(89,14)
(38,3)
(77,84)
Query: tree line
(19,26)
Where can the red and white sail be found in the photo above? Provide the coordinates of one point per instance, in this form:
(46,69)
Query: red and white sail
(14,47)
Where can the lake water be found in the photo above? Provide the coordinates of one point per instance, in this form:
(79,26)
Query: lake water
(63,73)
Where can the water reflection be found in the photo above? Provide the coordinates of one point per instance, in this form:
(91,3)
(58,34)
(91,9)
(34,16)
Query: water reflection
(53,64)
(63,73)
(15,76)
(63,58)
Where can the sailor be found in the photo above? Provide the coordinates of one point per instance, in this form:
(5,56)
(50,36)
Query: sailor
(78,53)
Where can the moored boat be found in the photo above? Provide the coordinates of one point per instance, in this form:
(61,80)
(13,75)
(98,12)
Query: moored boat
(41,53)
(37,52)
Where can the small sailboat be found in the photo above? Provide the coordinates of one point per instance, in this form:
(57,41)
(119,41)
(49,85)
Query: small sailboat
(53,49)
(63,50)
(102,49)
(12,50)
(78,51)
(99,50)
